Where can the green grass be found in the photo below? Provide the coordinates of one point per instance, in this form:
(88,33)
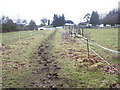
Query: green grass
(81,77)
(105,37)
(76,76)
(17,57)
(20,61)
(10,37)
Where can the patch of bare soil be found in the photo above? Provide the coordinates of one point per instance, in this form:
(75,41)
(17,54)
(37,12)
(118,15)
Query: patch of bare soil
(50,66)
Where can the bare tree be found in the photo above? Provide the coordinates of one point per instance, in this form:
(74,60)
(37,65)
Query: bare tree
(87,17)
(43,21)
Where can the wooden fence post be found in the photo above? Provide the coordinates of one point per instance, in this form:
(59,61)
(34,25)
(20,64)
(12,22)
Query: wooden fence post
(19,36)
(82,32)
(74,36)
(69,29)
(88,48)
(79,31)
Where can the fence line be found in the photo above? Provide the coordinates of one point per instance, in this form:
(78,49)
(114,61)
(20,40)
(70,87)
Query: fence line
(74,33)
(110,50)
(82,36)
(102,58)
(105,61)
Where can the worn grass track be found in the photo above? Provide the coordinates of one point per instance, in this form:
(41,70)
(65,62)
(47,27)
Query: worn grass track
(49,66)
(17,58)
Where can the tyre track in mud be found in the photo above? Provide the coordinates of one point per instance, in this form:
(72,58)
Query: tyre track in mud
(49,72)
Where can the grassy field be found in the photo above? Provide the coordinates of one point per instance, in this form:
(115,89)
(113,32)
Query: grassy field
(51,58)
(10,37)
(105,37)
(17,56)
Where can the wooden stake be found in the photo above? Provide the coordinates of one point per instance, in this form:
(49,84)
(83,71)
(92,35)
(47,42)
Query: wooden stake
(82,32)
(88,48)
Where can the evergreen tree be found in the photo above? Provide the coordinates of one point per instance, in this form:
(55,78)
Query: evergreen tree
(58,20)
(48,22)
(94,20)
(32,25)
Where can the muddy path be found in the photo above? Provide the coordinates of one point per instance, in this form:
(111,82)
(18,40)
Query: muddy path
(49,70)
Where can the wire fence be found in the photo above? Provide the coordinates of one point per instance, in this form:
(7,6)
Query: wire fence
(77,32)
(109,56)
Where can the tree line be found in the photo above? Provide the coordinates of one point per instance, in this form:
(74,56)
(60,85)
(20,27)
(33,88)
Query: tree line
(9,25)
(111,18)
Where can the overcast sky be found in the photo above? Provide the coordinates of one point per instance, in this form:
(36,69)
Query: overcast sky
(36,9)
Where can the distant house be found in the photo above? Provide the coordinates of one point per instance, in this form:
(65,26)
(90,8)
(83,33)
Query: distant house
(68,22)
(101,25)
(48,28)
(41,28)
(85,25)
(59,27)
(108,25)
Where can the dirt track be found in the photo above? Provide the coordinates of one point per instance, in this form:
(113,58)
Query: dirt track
(50,69)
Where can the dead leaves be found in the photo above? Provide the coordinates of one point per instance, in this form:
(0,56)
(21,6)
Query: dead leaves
(82,61)
(3,48)
(107,68)
(73,54)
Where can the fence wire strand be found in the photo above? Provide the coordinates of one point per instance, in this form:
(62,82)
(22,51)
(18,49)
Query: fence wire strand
(84,39)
